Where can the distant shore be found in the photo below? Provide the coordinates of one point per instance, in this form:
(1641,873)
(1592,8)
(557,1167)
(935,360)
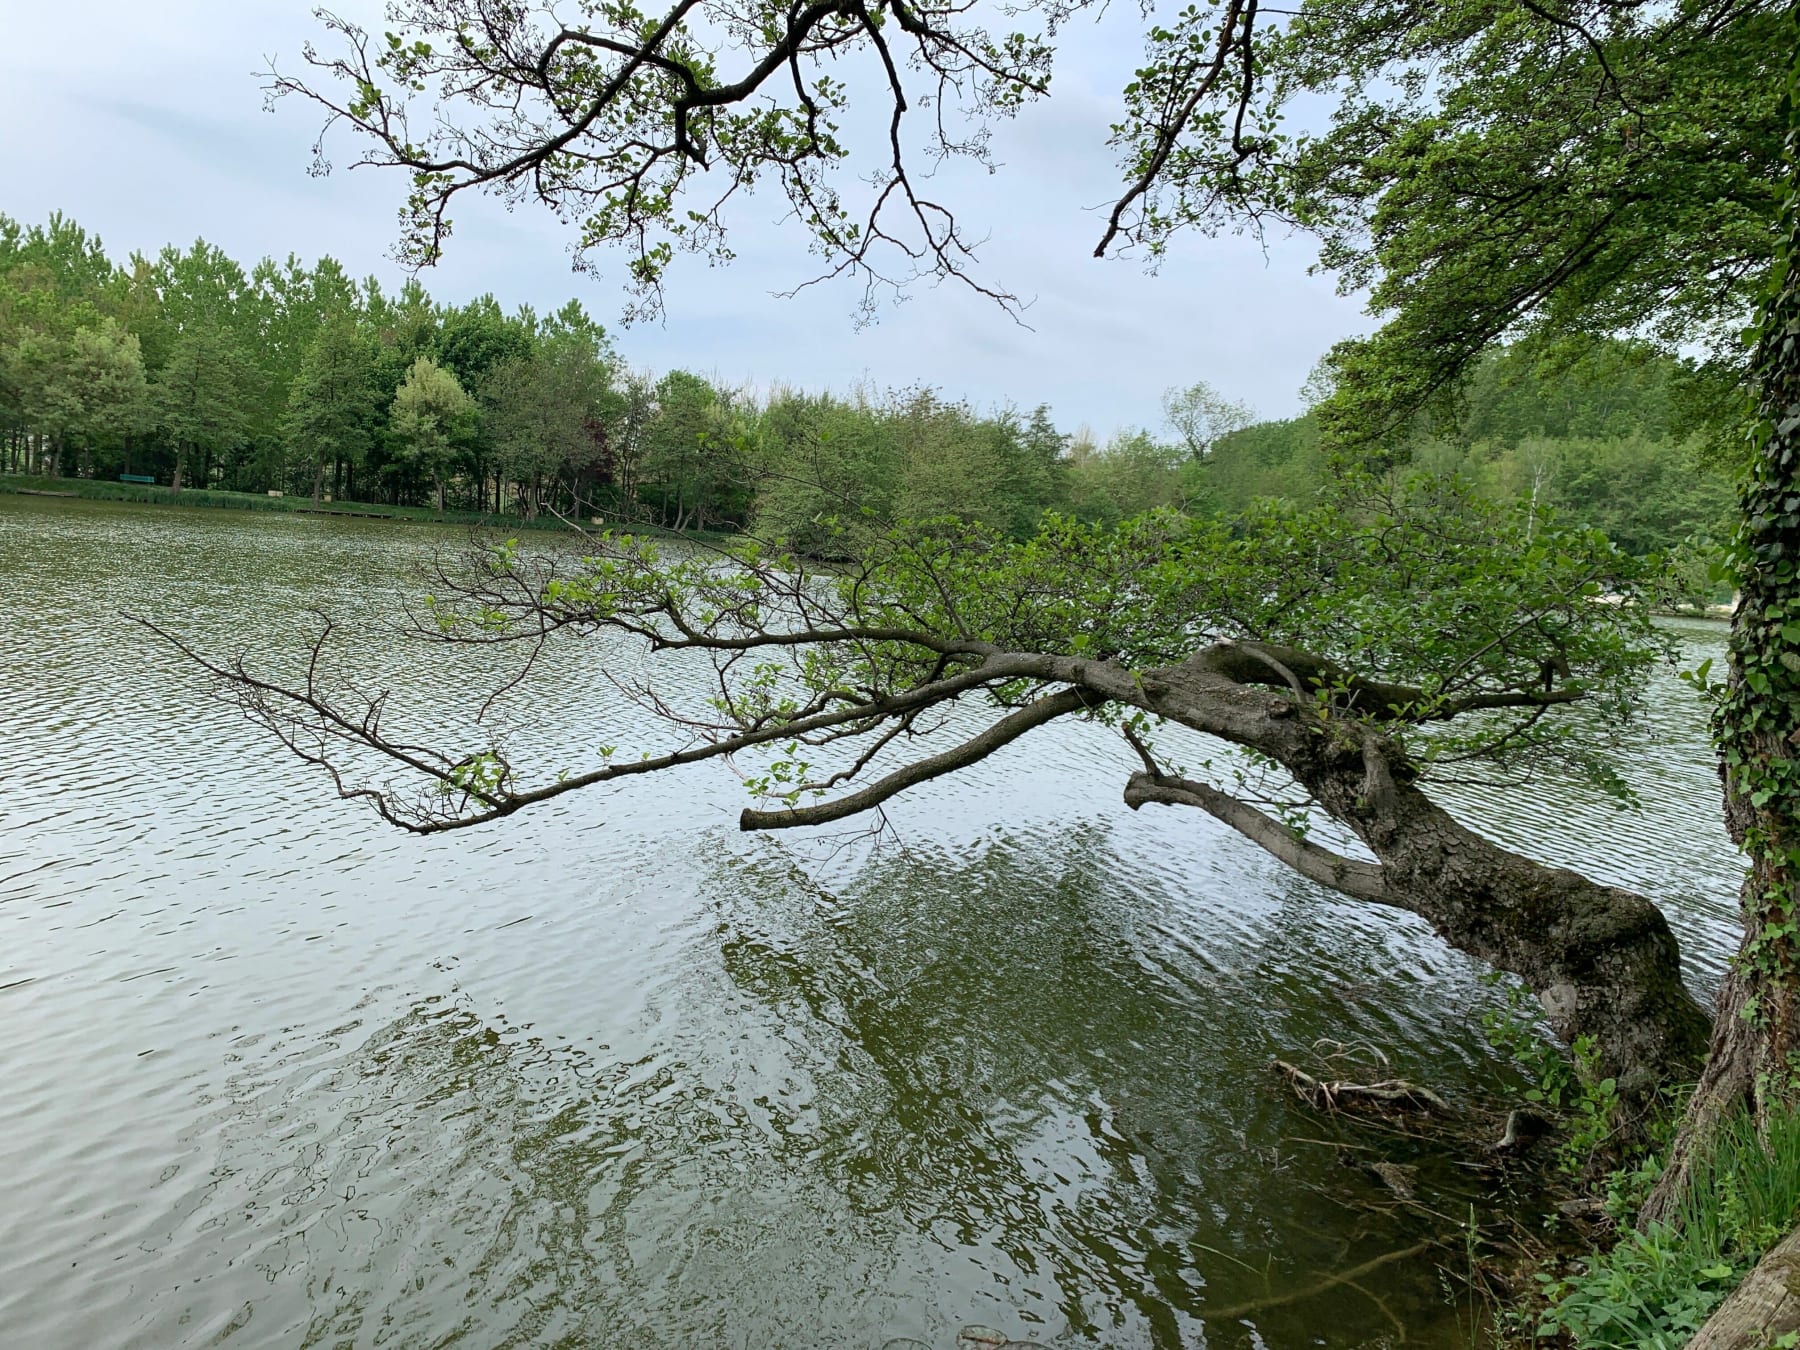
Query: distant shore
(100,489)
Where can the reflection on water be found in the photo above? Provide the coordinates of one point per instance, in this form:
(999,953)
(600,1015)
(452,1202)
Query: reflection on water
(610,1073)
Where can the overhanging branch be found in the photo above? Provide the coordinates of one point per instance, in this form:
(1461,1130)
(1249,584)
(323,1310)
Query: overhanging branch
(308,713)
(1265,663)
(1003,732)
(1359,880)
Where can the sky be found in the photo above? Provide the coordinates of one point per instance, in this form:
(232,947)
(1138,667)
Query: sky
(146,124)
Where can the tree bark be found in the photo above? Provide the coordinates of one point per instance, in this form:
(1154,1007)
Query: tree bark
(180,464)
(1602,961)
(1753,1062)
(1765,1307)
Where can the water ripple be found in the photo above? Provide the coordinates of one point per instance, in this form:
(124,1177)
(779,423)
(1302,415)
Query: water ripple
(612,1073)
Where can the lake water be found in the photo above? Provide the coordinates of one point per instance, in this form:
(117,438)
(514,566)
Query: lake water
(610,1073)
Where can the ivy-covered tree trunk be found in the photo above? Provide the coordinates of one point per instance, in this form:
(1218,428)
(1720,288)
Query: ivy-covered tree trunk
(1752,1061)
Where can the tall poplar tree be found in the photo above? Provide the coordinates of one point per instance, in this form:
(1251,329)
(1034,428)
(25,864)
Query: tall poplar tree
(430,415)
(204,395)
(333,406)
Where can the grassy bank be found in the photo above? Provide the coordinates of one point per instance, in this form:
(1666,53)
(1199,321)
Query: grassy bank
(97,489)
(1653,1290)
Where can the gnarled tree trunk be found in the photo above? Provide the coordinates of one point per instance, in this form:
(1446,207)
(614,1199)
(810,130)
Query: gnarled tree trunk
(1602,961)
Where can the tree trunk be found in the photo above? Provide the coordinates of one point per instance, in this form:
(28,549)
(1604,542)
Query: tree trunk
(1761,1310)
(1602,961)
(1753,1063)
(180,464)
(318,482)
(1753,1022)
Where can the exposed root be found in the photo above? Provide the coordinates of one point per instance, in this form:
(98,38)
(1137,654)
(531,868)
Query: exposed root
(1339,1095)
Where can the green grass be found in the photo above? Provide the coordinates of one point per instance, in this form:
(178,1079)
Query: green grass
(1746,1192)
(1654,1289)
(99,489)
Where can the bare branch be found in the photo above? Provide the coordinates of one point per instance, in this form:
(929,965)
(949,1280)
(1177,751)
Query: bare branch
(306,718)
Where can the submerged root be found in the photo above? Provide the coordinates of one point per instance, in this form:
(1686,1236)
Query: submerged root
(1392,1094)
(1328,1284)
(1460,1176)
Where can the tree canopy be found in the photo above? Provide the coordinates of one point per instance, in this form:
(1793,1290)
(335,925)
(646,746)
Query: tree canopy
(431,413)
(1490,169)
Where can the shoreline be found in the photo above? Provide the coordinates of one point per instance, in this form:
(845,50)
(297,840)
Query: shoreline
(145,494)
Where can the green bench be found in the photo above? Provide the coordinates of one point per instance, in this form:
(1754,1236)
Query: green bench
(138,478)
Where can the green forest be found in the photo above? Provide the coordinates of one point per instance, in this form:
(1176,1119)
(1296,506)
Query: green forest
(192,371)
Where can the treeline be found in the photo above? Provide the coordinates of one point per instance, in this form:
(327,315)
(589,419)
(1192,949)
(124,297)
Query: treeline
(1605,440)
(189,370)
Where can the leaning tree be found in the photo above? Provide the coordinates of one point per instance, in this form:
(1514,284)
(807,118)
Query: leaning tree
(1545,170)
(1343,660)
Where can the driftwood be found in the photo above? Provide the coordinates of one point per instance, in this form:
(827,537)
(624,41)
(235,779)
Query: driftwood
(1338,1095)
(1761,1310)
